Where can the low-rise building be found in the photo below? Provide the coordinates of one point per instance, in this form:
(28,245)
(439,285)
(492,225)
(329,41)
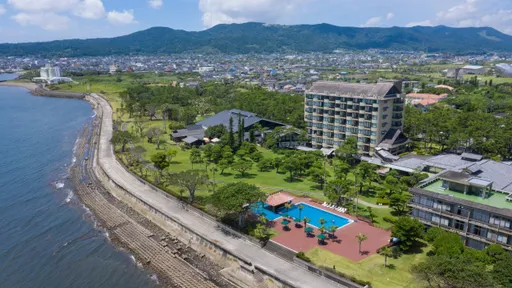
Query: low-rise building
(471,197)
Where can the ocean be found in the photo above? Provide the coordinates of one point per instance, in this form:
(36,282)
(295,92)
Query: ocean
(47,237)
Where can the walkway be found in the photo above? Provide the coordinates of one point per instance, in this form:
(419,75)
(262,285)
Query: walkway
(203,226)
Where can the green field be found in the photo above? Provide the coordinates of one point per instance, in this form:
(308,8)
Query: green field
(372,269)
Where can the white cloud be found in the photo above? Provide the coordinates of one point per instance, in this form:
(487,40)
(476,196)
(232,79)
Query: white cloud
(373,22)
(390,16)
(42,5)
(156,4)
(238,11)
(45,20)
(420,23)
(459,12)
(90,9)
(2,9)
(121,18)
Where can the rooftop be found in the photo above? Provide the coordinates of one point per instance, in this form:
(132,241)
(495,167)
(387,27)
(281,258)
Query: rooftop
(494,199)
(377,91)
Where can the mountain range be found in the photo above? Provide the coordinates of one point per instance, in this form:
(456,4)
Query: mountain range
(262,38)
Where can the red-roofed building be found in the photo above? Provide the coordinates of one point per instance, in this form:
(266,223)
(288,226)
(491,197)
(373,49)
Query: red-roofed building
(278,199)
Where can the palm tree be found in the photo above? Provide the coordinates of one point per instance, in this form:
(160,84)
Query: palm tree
(322,222)
(333,229)
(306,221)
(360,238)
(386,252)
(288,206)
(300,207)
(264,223)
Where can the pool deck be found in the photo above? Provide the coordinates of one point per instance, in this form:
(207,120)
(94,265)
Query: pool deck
(346,246)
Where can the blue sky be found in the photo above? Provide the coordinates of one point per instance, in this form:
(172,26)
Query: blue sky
(42,20)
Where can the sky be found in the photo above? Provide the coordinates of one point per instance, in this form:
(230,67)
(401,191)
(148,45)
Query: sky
(44,20)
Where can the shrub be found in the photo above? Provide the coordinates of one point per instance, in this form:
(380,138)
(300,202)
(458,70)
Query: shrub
(389,219)
(382,201)
(303,257)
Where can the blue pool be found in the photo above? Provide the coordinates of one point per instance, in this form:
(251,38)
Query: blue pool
(311,212)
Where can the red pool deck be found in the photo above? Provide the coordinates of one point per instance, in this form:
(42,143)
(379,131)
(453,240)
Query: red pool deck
(347,246)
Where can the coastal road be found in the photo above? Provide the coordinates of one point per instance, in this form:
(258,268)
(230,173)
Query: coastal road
(207,228)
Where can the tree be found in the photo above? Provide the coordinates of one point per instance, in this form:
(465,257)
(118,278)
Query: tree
(154,133)
(337,189)
(231,135)
(501,271)
(348,151)
(367,173)
(171,153)
(265,164)
(151,108)
(408,230)
(288,206)
(386,252)
(223,165)
(453,272)
(216,131)
(214,170)
(160,161)
(399,202)
(190,180)
(235,197)
(290,165)
(122,138)
(370,213)
(175,125)
(360,239)
(278,162)
(306,221)
(319,176)
(448,244)
(242,166)
(333,229)
(300,207)
(195,156)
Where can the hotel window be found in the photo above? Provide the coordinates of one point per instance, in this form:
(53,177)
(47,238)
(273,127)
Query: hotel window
(459,225)
(445,221)
(435,218)
(502,238)
(491,235)
(477,230)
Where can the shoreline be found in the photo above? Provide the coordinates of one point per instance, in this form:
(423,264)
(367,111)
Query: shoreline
(27,85)
(152,247)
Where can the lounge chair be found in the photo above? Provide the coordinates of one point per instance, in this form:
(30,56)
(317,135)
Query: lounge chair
(325,204)
(340,209)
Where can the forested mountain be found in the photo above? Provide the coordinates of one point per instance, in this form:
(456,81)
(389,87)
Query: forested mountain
(262,38)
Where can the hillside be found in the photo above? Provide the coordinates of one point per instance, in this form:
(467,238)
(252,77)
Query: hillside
(261,38)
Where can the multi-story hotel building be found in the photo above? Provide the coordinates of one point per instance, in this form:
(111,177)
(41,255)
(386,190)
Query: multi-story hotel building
(473,200)
(373,113)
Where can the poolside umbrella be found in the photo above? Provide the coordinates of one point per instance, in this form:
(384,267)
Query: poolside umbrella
(285,222)
(297,220)
(321,236)
(285,215)
(308,229)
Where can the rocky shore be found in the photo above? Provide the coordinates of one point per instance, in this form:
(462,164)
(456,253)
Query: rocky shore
(175,263)
(27,85)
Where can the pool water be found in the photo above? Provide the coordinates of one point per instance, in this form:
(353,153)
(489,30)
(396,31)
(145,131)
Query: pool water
(311,212)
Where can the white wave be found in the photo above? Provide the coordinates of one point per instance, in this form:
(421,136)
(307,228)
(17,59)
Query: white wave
(155,278)
(76,145)
(69,197)
(94,115)
(73,160)
(59,185)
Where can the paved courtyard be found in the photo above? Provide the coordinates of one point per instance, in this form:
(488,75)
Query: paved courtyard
(345,244)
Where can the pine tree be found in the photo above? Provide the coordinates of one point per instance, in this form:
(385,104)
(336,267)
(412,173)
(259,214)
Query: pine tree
(231,135)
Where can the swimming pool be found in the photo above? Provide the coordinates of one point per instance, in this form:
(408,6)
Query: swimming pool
(311,212)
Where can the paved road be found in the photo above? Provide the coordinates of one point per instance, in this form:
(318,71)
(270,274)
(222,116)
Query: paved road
(207,228)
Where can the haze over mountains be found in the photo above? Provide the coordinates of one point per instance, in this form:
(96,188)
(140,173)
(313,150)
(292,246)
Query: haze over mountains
(261,38)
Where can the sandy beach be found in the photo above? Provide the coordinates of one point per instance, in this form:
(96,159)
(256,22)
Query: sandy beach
(26,85)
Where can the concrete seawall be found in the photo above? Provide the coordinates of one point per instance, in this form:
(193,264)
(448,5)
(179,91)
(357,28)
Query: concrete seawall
(199,231)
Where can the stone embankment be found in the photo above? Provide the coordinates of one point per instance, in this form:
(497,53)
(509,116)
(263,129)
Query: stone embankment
(173,261)
(199,231)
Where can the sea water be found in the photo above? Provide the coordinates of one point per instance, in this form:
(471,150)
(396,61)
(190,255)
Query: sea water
(47,237)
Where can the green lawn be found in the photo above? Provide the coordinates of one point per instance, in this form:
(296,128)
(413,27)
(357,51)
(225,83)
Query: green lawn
(372,268)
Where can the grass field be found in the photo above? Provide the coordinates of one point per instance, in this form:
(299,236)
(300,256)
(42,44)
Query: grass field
(372,269)
(495,80)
